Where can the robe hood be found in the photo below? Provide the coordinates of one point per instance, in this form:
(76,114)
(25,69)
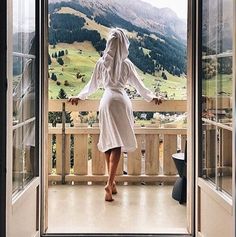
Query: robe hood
(116,51)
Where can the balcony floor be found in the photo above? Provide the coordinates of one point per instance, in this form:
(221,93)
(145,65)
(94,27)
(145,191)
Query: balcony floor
(136,209)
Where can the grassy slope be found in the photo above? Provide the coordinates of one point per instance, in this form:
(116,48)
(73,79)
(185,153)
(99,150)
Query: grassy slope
(85,62)
(74,62)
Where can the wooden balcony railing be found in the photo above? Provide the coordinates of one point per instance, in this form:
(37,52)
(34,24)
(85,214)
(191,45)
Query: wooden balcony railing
(151,162)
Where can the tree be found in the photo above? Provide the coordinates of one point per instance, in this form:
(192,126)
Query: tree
(49,60)
(62,94)
(163,75)
(66,83)
(55,55)
(60,61)
(66,51)
(56,117)
(54,77)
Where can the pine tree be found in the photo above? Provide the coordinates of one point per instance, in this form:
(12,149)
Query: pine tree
(52,76)
(56,117)
(163,75)
(60,61)
(62,94)
(49,60)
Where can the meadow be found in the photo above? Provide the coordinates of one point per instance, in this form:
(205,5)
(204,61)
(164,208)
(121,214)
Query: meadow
(82,57)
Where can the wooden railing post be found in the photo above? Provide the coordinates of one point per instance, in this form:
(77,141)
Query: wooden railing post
(170,147)
(63,147)
(152,154)
(49,153)
(98,158)
(134,159)
(81,154)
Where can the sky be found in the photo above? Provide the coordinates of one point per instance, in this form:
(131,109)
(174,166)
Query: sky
(178,6)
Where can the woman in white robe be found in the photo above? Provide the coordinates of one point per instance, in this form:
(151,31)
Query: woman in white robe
(113,71)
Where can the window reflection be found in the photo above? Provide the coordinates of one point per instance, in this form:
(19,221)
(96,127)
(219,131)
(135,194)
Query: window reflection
(24,78)
(24,166)
(217,28)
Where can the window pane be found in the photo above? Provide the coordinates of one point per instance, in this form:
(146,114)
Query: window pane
(24,81)
(217,22)
(24,163)
(24,92)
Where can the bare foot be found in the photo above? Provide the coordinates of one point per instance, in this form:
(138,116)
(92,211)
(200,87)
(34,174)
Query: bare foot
(114,190)
(108,195)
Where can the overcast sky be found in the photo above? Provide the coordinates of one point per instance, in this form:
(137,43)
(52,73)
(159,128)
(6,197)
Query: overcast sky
(178,6)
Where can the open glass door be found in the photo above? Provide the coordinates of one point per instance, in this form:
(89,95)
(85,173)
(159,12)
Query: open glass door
(23,118)
(215,118)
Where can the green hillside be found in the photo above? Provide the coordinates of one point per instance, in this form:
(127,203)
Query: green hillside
(82,57)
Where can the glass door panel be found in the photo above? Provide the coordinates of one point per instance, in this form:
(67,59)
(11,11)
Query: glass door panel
(23,113)
(217,88)
(24,93)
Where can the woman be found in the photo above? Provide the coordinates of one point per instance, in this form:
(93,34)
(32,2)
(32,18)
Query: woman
(114,70)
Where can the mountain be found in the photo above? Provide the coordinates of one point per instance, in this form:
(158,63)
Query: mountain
(163,21)
(141,14)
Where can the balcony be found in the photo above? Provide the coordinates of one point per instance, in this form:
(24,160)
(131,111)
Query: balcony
(151,162)
(145,176)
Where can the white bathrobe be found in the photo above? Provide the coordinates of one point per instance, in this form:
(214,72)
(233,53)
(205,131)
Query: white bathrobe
(113,71)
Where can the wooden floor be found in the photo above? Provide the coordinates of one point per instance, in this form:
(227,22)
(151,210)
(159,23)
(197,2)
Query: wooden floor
(136,209)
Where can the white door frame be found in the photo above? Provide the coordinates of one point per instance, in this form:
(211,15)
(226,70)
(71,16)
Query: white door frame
(9,119)
(44,111)
(191,50)
(228,204)
(3,117)
(14,203)
(191,109)
(234,124)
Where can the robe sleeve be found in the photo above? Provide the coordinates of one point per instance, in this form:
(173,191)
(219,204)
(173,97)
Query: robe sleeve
(93,83)
(135,81)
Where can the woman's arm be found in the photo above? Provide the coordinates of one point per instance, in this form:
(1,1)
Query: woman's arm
(91,86)
(134,80)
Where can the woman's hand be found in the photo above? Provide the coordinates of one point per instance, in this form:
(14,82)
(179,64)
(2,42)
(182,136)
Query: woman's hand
(74,100)
(157,100)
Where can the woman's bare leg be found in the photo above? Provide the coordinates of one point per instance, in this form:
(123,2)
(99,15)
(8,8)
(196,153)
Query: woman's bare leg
(114,161)
(113,164)
(107,157)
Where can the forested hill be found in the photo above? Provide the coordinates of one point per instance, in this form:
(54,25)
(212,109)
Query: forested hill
(150,50)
